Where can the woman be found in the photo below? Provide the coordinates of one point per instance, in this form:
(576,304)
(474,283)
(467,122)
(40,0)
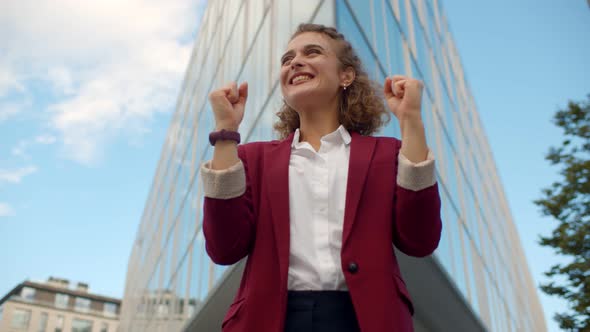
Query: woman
(317,212)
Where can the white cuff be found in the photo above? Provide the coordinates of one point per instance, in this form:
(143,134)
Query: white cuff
(416,176)
(223,184)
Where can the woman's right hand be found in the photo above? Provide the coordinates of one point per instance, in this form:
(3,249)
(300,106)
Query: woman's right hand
(228,105)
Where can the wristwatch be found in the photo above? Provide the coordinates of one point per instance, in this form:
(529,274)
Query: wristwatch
(224,135)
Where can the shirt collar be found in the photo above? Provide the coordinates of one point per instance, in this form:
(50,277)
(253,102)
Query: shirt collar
(340,134)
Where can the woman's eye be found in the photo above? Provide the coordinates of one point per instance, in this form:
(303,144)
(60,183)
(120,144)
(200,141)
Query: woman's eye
(286,60)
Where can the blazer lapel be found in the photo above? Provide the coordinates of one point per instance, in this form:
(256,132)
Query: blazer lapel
(276,161)
(361,153)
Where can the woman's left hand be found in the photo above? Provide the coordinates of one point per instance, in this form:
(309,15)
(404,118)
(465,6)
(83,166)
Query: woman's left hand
(404,97)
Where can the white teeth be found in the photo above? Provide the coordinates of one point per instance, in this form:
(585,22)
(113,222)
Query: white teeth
(301,78)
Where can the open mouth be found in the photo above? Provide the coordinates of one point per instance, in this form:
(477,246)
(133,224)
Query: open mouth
(301,78)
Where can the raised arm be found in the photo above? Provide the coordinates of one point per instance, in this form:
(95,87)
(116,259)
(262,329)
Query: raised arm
(417,223)
(228,218)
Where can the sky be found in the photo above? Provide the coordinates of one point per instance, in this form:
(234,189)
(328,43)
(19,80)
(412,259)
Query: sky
(86,96)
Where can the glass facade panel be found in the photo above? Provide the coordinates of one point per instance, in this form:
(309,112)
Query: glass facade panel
(444,252)
(394,42)
(470,258)
(170,274)
(403,15)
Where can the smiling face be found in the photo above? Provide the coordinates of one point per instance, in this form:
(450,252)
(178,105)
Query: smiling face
(311,71)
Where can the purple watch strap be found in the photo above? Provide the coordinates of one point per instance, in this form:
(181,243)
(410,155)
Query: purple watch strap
(224,135)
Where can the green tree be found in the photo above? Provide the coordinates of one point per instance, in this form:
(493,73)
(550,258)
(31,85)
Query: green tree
(568,201)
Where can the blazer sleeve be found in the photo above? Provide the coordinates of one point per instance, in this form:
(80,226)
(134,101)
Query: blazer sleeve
(228,217)
(417,224)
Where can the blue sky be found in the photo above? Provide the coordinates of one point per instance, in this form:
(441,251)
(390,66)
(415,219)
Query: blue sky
(84,113)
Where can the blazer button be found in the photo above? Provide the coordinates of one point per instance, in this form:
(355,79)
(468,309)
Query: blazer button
(353,267)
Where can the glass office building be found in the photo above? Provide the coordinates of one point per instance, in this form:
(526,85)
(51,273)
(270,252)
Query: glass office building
(478,278)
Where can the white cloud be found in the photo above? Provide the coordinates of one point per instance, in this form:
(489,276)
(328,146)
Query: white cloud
(112,65)
(20,150)
(16,176)
(61,79)
(6,210)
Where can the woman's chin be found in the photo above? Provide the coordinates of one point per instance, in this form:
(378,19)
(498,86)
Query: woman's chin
(301,95)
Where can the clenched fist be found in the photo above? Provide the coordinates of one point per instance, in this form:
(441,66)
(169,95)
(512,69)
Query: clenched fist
(404,96)
(228,105)
(404,99)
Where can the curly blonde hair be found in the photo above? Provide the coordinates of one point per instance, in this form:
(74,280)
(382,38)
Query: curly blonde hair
(361,105)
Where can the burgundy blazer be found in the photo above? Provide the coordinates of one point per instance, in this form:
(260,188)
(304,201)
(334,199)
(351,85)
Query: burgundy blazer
(378,213)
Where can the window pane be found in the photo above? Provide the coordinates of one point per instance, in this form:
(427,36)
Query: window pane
(61,300)
(21,318)
(104,327)
(81,325)
(28,293)
(59,324)
(82,304)
(110,309)
(43,322)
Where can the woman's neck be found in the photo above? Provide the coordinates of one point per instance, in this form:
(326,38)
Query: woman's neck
(316,123)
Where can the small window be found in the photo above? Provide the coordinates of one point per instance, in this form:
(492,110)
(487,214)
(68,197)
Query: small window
(61,300)
(104,327)
(21,319)
(81,325)
(110,309)
(43,322)
(28,293)
(59,324)
(82,304)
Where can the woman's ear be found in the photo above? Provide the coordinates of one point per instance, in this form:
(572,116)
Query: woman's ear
(347,76)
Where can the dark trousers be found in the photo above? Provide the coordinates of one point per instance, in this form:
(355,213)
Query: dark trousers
(320,311)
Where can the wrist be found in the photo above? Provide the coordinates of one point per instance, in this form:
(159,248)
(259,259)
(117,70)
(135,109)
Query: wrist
(411,118)
(220,127)
(224,143)
(411,124)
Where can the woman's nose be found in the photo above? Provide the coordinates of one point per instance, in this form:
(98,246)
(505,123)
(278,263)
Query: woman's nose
(296,62)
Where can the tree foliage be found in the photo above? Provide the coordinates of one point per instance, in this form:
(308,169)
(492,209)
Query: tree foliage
(568,201)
